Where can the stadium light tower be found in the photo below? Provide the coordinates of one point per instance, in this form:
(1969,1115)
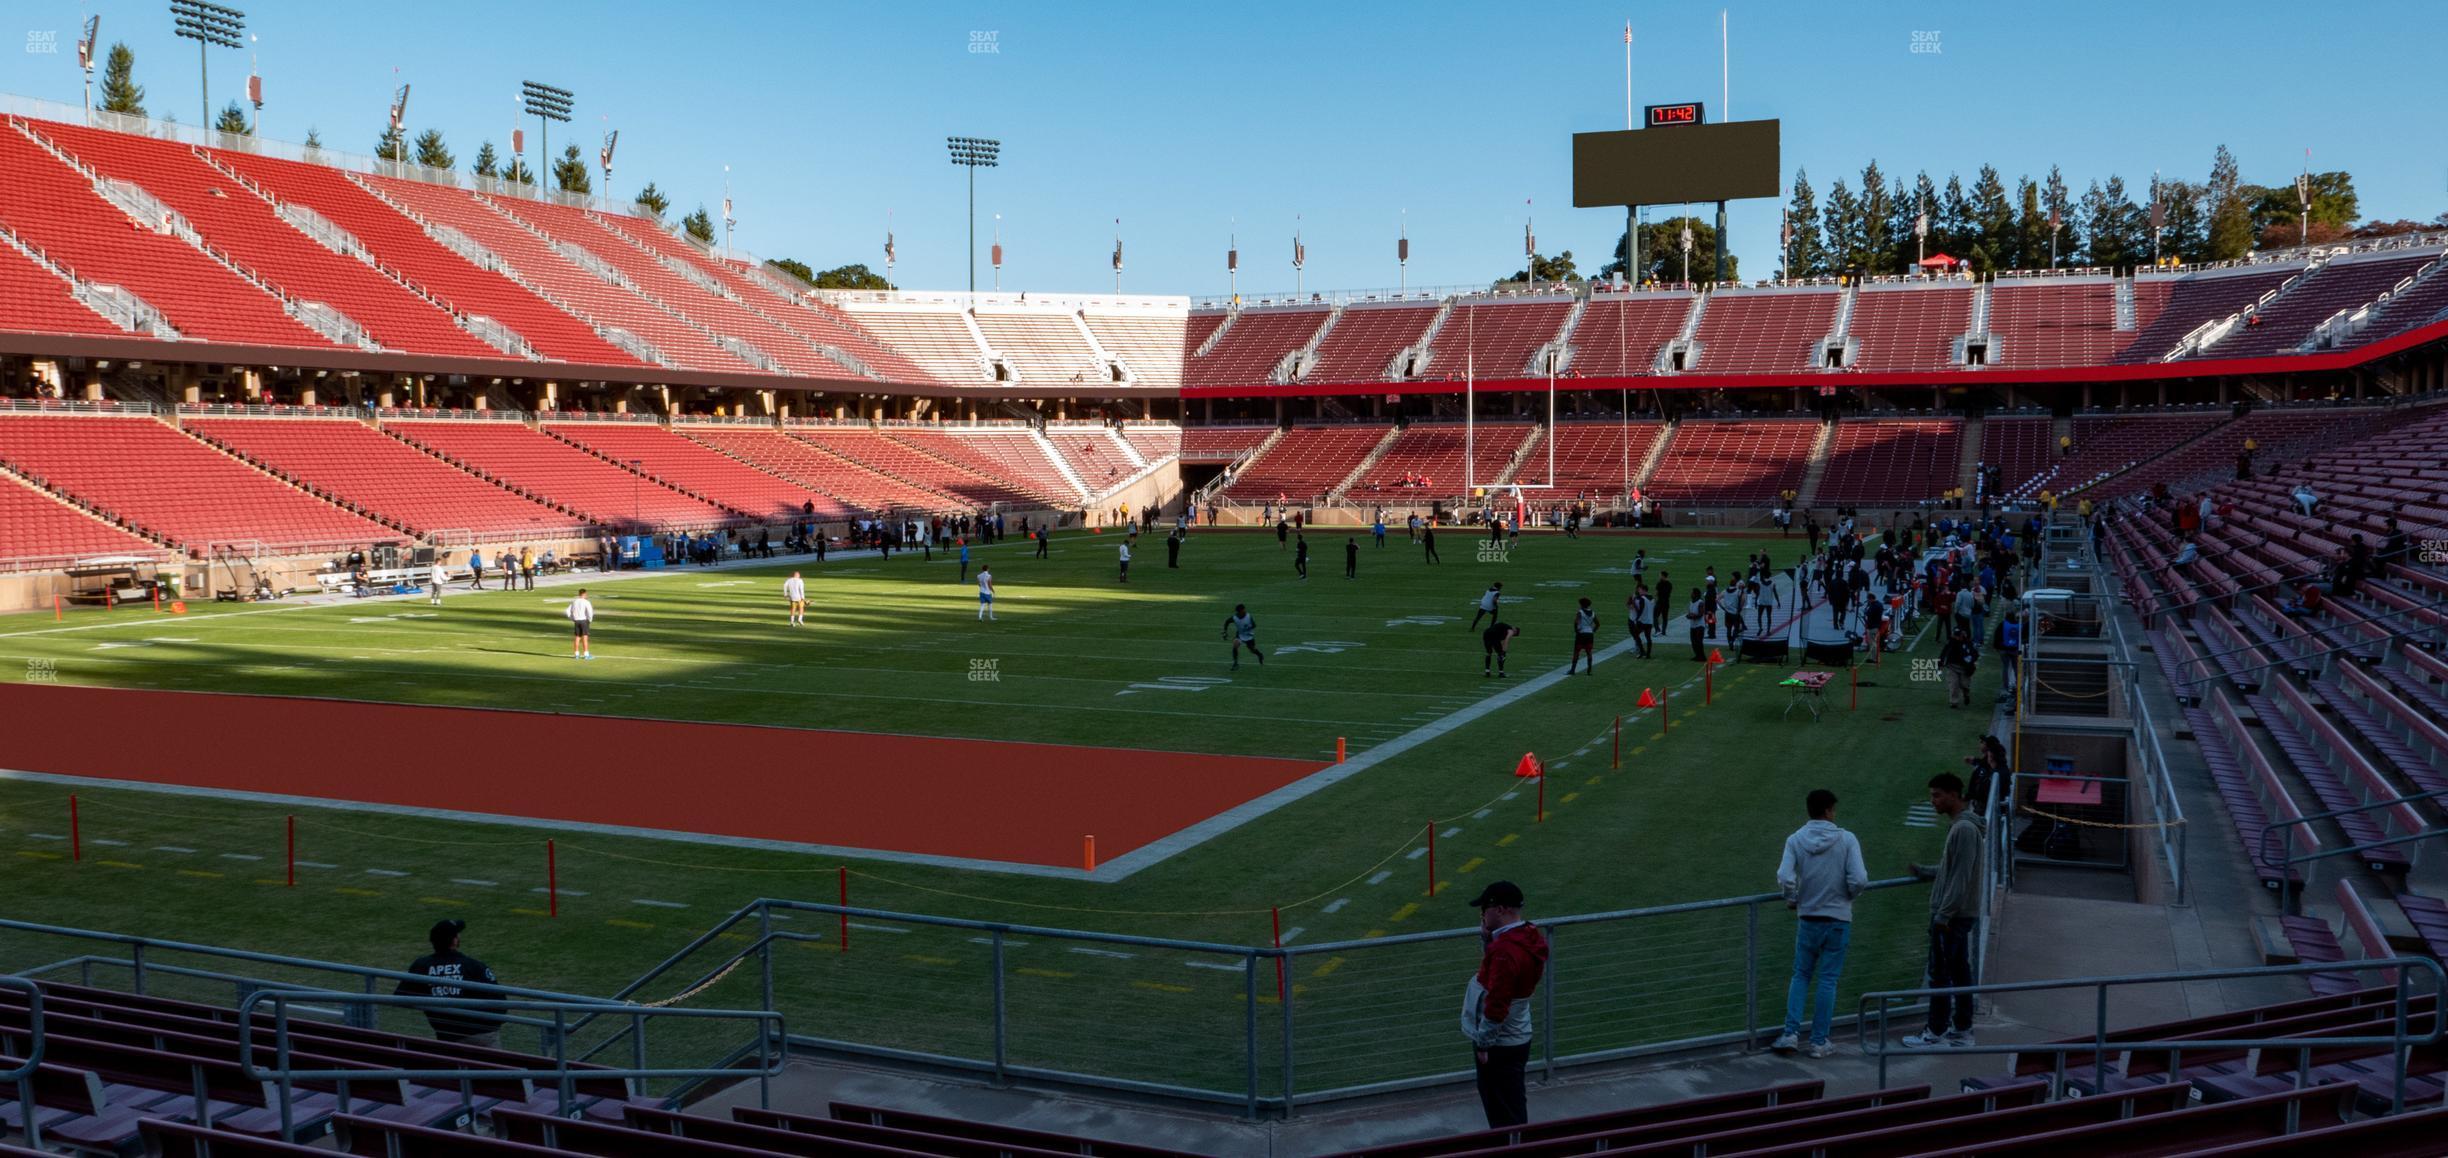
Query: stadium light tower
(210,26)
(546,104)
(973,154)
(85,56)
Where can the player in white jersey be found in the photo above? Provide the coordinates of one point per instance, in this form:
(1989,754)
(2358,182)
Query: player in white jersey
(795,590)
(582,618)
(1240,631)
(986,594)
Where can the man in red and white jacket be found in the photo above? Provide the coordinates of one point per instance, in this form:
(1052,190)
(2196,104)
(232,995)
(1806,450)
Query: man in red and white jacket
(1496,1003)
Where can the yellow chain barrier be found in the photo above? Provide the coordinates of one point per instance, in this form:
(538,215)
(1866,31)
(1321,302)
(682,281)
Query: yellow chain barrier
(2100,823)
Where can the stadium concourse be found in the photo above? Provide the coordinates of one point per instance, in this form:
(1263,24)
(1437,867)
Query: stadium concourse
(261,407)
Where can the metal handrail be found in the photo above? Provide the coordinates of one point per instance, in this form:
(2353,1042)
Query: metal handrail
(2401,1036)
(22,1076)
(2261,847)
(284,1075)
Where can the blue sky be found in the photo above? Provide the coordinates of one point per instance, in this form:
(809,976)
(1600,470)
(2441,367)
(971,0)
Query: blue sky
(1191,122)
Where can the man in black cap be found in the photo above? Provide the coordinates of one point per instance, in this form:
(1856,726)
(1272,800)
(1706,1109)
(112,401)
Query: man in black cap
(453,973)
(1496,1003)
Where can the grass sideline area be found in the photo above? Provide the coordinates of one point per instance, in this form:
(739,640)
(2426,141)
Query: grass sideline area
(893,645)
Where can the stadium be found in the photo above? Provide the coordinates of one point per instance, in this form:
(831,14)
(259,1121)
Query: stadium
(514,667)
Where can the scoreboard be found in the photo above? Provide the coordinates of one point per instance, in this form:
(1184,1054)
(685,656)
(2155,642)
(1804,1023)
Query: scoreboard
(1679,159)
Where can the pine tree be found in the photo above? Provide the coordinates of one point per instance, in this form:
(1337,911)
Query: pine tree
(795,267)
(2230,232)
(488,163)
(1840,228)
(2185,235)
(698,225)
(392,145)
(233,119)
(2113,228)
(120,92)
(2057,204)
(1877,222)
(653,201)
(2031,234)
(432,153)
(314,139)
(518,173)
(570,172)
(1921,200)
(1807,255)
(1993,222)
(1953,232)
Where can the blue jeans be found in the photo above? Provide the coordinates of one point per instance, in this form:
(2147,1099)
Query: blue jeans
(1819,952)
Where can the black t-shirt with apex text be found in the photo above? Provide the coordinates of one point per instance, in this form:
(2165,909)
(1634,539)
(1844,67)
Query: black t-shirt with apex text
(451,971)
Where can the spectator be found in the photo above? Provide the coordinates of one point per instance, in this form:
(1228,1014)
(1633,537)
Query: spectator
(2010,649)
(1496,1003)
(1958,661)
(2307,500)
(1954,910)
(2394,548)
(1987,766)
(1821,873)
(451,973)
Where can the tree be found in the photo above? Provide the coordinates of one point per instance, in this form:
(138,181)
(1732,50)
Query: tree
(1662,252)
(233,119)
(854,276)
(570,172)
(2277,211)
(2115,231)
(2184,234)
(1877,238)
(1910,207)
(1992,232)
(2230,225)
(1840,227)
(1806,255)
(314,139)
(2031,232)
(488,162)
(518,173)
(392,145)
(698,225)
(1952,232)
(652,201)
(2057,204)
(120,92)
(795,267)
(432,153)
(1546,269)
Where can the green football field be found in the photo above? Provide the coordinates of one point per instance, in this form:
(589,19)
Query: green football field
(1075,657)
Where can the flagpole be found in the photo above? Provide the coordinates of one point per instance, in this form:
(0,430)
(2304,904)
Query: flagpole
(1631,232)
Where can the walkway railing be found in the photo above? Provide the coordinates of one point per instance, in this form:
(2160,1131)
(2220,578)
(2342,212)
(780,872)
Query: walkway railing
(1263,1028)
(1876,1020)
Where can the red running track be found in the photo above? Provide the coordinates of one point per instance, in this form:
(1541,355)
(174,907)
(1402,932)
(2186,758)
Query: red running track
(974,799)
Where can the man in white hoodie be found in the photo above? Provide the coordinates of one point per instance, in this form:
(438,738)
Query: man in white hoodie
(1821,873)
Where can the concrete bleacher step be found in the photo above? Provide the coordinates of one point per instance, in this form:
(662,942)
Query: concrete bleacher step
(1970,458)
(1367,463)
(1061,465)
(1808,492)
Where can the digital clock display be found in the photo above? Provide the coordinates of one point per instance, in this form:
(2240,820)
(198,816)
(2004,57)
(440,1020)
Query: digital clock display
(1682,114)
